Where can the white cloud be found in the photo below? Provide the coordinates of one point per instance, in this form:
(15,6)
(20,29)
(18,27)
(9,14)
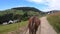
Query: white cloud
(36,1)
(20,6)
(51,4)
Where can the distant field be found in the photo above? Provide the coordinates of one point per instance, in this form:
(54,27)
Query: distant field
(54,20)
(11,27)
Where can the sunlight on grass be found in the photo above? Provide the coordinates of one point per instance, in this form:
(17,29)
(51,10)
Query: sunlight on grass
(11,27)
(54,20)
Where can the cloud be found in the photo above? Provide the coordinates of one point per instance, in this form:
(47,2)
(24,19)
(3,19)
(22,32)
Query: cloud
(20,6)
(51,4)
(36,1)
(39,1)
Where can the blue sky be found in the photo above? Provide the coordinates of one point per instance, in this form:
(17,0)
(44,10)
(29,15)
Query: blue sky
(44,5)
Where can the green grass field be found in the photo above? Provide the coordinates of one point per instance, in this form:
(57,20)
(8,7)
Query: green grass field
(11,27)
(54,20)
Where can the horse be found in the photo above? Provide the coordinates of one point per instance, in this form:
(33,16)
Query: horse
(33,24)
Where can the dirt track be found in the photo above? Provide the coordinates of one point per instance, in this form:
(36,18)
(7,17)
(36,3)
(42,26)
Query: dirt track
(44,28)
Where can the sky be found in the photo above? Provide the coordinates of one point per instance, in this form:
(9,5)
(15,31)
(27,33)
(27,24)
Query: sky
(43,5)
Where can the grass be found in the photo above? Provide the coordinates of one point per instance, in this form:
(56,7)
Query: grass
(11,27)
(54,20)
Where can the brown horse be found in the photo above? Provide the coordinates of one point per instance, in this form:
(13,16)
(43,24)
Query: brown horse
(34,22)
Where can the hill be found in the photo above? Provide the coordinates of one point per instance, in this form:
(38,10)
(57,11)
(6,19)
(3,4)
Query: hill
(53,11)
(27,9)
(20,13)
(20,10)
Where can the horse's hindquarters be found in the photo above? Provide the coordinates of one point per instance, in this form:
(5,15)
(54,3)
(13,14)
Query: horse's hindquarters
(33,25)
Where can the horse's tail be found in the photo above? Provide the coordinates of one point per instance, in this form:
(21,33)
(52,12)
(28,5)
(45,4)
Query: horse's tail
(33,23)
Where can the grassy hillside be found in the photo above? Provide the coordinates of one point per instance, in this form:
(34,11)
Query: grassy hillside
(20,13)
(20,10)
(17,12)
(11,27)
(54,20)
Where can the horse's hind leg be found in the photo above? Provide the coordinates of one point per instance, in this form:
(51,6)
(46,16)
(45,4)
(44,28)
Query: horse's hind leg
(30,32)
(34,32)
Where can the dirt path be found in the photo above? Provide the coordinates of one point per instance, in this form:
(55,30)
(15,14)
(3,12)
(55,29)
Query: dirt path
(45,27)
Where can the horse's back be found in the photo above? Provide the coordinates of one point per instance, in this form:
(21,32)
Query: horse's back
(36,21)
